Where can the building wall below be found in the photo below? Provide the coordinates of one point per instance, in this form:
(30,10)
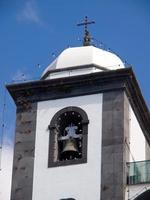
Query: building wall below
(137,148)
(80,181)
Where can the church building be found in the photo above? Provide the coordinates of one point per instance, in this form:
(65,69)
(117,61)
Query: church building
(82,130)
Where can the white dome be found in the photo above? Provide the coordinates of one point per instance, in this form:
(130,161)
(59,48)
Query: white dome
(86,55)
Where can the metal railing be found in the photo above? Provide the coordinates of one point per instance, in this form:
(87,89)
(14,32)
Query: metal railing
(138,172)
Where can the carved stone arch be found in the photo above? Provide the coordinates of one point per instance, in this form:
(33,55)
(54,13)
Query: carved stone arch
(70,108)
(58,124)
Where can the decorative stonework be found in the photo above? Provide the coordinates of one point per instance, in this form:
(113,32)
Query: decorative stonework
(66,117)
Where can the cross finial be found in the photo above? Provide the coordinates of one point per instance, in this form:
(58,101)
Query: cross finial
(87,37)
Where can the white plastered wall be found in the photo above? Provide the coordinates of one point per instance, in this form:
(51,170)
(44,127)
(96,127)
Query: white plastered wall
(81,181)
(137,139)
(137,153)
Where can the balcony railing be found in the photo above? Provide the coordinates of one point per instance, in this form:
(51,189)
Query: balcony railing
(138,172)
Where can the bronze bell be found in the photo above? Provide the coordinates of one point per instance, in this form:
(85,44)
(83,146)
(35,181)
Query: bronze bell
(70,149)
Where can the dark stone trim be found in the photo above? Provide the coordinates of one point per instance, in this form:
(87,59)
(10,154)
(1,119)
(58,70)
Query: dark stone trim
(100,82)
(72,68)
(23,163)
(52,125)
(115,131)
(68,199)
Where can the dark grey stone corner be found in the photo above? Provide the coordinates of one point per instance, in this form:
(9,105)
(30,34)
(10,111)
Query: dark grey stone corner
(23,164)
(115,120)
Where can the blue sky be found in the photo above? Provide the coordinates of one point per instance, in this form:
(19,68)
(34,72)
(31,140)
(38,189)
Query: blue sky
(32,31)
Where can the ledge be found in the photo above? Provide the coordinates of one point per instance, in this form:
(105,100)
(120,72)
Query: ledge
(100,82)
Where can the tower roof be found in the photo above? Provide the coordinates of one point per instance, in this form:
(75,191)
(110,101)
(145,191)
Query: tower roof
(85,56)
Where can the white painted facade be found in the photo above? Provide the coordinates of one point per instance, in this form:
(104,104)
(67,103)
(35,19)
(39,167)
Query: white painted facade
(83,56)
(137,140)
(73,72)
(137,152)
(80,181)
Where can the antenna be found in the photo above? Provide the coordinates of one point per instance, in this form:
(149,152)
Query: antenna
(2,127)
(87,37)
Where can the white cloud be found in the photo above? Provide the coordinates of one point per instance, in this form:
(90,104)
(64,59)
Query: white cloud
(29,13)
(6,163)
(6,172)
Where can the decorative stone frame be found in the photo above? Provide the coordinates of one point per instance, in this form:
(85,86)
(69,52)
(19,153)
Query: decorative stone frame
(53,138)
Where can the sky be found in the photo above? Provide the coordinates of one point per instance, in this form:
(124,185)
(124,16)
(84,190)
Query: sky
(34,32)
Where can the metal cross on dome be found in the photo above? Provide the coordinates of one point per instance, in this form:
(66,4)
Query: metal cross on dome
(87,37)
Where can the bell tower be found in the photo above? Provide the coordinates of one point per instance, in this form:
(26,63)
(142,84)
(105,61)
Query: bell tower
(68,136)
(73,126)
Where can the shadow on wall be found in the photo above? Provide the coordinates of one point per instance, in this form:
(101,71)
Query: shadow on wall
(144,196)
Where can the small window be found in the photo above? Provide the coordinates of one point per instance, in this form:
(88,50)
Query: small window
(68,137)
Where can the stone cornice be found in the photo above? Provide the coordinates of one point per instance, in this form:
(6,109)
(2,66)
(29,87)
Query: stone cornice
(121,79)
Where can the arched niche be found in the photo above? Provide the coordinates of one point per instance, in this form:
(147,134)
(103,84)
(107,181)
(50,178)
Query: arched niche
(68,137)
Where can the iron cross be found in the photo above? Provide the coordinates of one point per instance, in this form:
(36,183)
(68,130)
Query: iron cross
(87,38)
